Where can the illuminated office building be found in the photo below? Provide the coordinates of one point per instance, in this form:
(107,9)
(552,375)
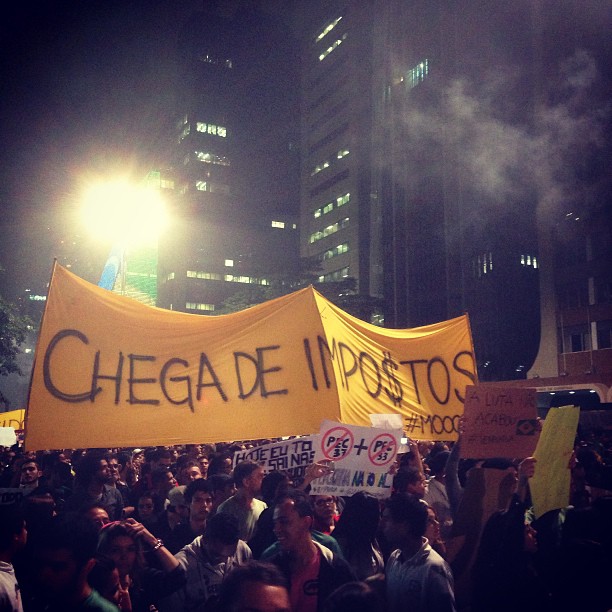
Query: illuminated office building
(393,183)
(234,209)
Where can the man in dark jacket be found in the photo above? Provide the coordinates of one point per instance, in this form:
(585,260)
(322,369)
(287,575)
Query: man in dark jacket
(312,570)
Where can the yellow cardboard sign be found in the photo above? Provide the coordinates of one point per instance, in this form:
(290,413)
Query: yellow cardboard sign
(12,418)
(550,485)
(110,371)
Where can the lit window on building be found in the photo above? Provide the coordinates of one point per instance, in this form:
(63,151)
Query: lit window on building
(167,184)
(199,306)
(251,280)
(279,224)
(327,29)
(204,275)
(529,261)
(416,75)
(342,200)
(212,187)
(332,47)
(229,263)
(329,230)
(337,250)
(170,276)
(320,167)
(211,158)
(482,264)
(378,319)
(336,275)
(325,164)
(212,129)
(329,206)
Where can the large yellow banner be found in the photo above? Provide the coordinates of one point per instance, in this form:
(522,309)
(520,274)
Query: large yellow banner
(420,373)
(110,371)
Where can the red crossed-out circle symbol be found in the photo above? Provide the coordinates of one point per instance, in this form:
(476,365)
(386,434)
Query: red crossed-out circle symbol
(337,443)
(383,450)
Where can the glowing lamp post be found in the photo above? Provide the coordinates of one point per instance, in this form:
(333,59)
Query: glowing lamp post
(127,216)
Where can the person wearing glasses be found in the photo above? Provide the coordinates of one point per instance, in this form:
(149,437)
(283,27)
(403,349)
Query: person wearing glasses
(326,515)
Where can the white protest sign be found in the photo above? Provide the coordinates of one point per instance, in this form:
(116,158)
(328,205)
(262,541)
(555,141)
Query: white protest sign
(348,481)
(362,457)
(360,448)
(291,456)
(387,421)
(8,437)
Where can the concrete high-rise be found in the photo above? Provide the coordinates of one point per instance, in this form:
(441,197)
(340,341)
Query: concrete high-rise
(234,165)
(406,180)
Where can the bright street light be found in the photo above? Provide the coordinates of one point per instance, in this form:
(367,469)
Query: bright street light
(120,212)
(130,218)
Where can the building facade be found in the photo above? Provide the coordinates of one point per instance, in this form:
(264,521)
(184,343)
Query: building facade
(397,188)
(234,163)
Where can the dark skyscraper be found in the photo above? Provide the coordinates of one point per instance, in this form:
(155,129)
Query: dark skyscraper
(235,161)
(424,152)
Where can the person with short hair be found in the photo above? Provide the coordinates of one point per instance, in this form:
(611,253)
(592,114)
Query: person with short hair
(417,577)
(176,511)
(92,485)
(188,471)
(206,561)
(244,505)
(326,514)
(115,468)
(222,487)
(198,498)
(254,587)
(62,559)
(96,514)
(410,480)
(312,570)
(30,476)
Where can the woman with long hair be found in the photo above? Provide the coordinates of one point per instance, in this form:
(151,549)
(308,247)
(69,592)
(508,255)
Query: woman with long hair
(128,543)
(355,532)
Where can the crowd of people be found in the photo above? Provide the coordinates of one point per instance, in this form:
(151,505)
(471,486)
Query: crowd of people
(182,529)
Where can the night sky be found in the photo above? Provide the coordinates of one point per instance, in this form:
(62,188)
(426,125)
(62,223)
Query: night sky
(86,93)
